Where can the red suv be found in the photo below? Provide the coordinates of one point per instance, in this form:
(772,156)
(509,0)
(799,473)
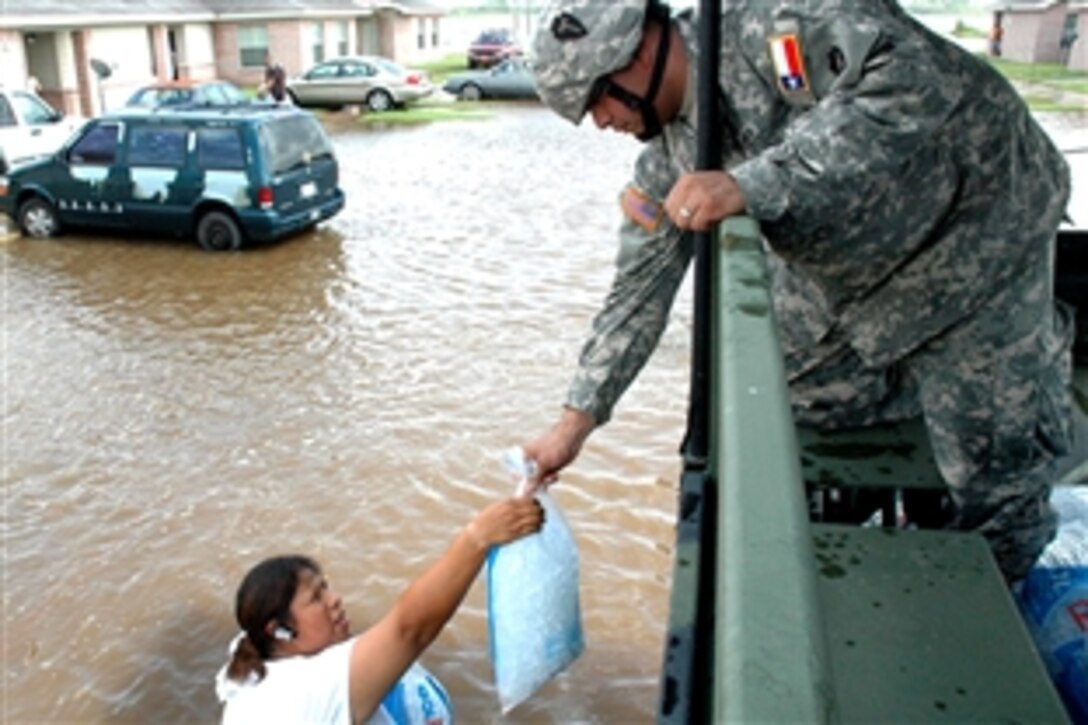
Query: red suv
(490,47)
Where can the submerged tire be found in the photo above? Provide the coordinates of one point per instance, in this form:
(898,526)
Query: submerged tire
(38,218)
(218,232)
(470,92)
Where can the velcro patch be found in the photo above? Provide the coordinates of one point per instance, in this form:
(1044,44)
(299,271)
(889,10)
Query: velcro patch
(641,209)
(567,27)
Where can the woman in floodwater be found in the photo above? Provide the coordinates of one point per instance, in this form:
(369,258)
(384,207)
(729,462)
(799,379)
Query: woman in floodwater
(297,661)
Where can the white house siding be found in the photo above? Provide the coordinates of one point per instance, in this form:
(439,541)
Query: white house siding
(332,30)
(368,36)
(401,38)
(13,69)
(127,51)
(196,51)
(1078,55)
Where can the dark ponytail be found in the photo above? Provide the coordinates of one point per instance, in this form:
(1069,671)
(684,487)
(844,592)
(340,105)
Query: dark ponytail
(264,597)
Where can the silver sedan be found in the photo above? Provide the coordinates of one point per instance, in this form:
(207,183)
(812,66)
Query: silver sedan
(376,82)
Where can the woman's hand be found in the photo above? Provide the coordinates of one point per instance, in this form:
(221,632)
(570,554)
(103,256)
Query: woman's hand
(506,521)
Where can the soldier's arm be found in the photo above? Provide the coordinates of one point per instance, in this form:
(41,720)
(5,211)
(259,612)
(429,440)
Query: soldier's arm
(649,269)
(880,93)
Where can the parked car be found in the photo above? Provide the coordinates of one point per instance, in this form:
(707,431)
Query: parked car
(187,92)
(492,46)
(512,78)
(30,128)
(227,176)
(378,83)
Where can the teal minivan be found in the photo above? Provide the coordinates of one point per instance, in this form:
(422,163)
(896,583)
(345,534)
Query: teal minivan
(224,175)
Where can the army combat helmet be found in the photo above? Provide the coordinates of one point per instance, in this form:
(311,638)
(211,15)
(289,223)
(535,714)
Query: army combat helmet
(581,42)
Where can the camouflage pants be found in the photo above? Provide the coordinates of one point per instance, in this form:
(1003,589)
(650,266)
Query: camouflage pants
(995,392)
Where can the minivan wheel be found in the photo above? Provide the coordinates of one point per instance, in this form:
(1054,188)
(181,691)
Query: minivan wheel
(379,101)
(218,232)
(38,218)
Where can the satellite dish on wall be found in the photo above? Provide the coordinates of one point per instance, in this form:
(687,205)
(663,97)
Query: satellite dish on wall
(101,68)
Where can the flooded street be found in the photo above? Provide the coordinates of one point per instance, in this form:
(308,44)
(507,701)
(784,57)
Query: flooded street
(171,417)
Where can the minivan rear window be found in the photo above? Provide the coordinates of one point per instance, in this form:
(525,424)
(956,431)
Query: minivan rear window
(293,141)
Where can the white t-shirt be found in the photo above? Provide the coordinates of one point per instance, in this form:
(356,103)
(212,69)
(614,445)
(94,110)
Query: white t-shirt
(312,690)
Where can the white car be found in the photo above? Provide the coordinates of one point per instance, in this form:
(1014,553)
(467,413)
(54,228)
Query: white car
(30,128)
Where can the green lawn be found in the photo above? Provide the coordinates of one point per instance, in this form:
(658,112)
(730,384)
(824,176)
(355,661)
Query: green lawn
(962,30)
(441,69)
(1044,82)
(425,112)
(1046,104)
(1049,74)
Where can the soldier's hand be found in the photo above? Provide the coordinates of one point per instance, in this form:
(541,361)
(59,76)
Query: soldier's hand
(701,199)
(554,450)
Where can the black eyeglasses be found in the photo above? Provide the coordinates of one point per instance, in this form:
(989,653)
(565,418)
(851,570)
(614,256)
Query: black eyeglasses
(597,91)
(605,85)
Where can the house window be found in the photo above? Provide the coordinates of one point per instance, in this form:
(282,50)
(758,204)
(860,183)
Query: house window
(342,38)
(421,33)
(317,41)
(434,32)
(253,45)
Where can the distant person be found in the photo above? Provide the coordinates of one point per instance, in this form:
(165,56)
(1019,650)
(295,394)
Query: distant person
(1065,44)
(296,661)
(997,33)
(275,82)
(33,85)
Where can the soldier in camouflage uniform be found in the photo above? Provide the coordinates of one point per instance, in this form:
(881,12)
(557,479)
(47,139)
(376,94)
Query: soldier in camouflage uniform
(911,205)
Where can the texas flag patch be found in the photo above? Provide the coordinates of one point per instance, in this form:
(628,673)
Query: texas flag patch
(789,64)
(641,209)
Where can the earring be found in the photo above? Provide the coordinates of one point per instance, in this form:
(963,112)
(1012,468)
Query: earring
(283,634)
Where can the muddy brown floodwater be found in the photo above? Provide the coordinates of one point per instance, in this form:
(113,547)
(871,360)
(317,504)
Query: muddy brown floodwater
(171,416)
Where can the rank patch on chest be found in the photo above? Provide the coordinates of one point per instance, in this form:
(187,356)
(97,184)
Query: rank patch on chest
(789,63)
(641,209)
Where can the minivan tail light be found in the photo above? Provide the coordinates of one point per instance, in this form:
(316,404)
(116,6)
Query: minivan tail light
(264,197)
(413,79)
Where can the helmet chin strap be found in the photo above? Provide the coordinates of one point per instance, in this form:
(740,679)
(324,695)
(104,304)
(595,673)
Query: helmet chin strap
(651,122)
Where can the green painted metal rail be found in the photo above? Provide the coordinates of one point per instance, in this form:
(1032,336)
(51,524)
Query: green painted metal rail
(776,619)
(770,657)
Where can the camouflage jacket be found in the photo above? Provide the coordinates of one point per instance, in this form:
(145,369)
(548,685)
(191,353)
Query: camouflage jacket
(898,179)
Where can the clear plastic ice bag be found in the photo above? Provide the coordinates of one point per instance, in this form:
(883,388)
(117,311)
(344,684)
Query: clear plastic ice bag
(533,611)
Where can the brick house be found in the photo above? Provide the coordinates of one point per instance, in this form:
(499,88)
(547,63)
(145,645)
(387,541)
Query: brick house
(132,45)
